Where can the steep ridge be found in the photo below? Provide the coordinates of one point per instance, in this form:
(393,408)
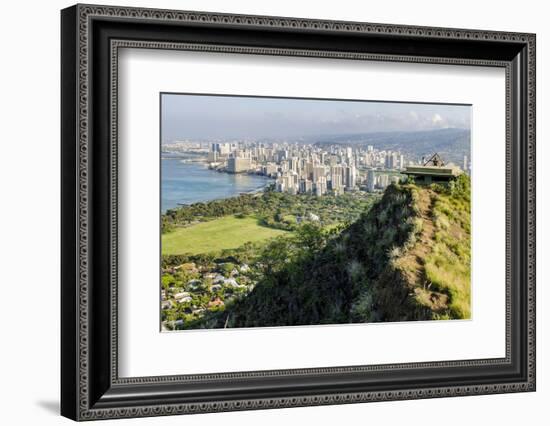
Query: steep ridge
(407,258)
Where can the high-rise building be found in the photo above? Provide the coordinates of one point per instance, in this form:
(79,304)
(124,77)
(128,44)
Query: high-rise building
(270,169)
(238,164)
(221,148)
(213,156)
(371,180)
(293,164)
(391,160)
(309,170)
(336,181)
(306,186)
(383,181)
(318,171)
(320,186)
(351,176)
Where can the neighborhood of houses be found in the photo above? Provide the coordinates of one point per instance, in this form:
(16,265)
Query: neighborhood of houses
(190,290)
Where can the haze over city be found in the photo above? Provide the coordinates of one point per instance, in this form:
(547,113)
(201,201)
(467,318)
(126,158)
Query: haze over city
(225,117)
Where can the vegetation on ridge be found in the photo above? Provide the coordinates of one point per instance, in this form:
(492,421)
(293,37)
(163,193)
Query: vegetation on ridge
(405,258)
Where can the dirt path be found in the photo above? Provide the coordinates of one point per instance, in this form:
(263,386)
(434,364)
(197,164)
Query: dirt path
(412,262)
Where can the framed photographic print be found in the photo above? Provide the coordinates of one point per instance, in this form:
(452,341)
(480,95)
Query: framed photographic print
(263,212)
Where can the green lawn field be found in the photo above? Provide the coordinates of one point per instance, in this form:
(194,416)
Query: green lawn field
(218,234)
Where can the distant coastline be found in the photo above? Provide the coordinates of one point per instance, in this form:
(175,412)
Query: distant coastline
(188,182)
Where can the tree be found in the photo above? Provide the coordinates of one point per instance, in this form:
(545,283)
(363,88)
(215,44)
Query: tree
(167,281)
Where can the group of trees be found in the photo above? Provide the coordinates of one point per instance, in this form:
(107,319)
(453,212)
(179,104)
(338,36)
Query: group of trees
(243,204)
(343,273)
(318,276)
(273,209)
(348,274)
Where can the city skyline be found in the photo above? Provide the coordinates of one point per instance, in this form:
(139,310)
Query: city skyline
(237,117)
(307,168)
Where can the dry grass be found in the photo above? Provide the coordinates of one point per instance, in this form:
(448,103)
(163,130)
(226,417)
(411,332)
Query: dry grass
(448,266)
(436,263)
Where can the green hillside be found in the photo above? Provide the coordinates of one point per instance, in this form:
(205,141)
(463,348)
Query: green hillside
(406,258)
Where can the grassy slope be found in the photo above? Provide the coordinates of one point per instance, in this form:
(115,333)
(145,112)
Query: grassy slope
(323,287)
(218,234)
(437,268)
(407,259)
(448,266)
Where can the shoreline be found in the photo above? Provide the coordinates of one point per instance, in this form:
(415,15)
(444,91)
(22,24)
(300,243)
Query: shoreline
(255,191)
(230,186)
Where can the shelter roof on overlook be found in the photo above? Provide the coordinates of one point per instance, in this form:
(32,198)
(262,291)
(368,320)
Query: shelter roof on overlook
(434,167)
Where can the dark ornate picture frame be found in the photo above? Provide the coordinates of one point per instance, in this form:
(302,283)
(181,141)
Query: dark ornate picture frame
(90,38)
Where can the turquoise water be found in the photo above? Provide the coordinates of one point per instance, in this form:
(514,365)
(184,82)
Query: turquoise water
(188,183)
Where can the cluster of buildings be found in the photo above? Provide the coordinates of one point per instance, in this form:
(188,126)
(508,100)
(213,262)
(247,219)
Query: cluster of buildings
(185,298)
(305,168)
(299,168)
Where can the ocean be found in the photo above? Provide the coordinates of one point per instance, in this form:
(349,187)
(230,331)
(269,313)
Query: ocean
(184,182)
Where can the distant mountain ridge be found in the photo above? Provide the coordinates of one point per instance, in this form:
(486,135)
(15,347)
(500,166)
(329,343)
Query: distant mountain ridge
(451,143)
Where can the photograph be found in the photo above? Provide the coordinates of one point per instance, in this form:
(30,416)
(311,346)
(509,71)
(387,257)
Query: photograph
(280,211)
(273,208)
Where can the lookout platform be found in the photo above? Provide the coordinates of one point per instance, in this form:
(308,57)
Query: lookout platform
(433,171)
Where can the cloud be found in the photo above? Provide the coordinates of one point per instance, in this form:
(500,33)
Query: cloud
(407,120)
(439,122)
(234,117)
(436,119)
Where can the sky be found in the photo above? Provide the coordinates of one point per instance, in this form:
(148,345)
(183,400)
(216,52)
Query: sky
(232,117)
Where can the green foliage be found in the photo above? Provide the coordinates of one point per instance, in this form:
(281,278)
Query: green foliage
(361,310)
(227,268)
(168,281)
(272,209)
(233,222)
(319,276)
(336,270)
(448,266)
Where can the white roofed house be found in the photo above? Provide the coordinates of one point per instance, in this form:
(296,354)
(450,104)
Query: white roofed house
(188,267)
(181,295)
(219,278)
(231,282)
(166,304)
(313,217)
